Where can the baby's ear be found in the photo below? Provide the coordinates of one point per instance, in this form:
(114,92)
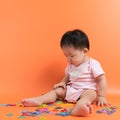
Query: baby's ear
(85,50)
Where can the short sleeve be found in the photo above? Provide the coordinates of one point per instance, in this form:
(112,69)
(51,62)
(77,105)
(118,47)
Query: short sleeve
(96,68)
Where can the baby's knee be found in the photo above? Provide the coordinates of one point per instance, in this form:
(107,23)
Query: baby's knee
(60,92)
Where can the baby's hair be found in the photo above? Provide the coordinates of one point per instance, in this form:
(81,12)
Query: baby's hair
(76,38)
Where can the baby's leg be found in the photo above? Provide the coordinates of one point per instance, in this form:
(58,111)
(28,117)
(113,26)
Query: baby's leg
(46,98)
(83,106)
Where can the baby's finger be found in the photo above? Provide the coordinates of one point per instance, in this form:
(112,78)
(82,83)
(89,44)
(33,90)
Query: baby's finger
(107,104)
(100,104)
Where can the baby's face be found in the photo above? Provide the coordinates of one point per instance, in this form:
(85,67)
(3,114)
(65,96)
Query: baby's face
(74,56)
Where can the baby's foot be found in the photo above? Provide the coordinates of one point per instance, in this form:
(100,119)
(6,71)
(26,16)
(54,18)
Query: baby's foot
(32,102)
(81,110)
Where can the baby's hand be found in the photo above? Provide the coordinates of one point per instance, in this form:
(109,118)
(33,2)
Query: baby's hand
(102,101)
(61,84)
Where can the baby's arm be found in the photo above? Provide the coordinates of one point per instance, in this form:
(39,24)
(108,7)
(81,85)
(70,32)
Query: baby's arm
(102,87)
(63,82)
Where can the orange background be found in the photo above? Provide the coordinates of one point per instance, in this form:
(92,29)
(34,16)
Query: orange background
(31,60)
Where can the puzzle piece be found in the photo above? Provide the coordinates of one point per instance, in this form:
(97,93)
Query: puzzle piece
(108,110)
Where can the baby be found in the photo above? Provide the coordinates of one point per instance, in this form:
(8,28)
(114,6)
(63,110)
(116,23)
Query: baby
(84,81)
